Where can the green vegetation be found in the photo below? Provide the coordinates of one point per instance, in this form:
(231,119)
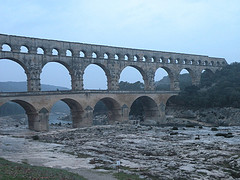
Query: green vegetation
(221,89)
(126,86)
(162,85)
(10,170)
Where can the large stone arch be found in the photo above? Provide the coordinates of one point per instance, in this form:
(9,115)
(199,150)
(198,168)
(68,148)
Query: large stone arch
(64,64)
(170,75)
(141,70)
(206,77)
(193,75)
(209,70)
(24,66)
(75,108)
(171,110)
(30,111)
(145,109)
(106,71)
(114,109)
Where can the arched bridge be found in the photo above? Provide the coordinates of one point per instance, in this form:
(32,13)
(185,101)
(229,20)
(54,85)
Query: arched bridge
(33,54)
(81,103)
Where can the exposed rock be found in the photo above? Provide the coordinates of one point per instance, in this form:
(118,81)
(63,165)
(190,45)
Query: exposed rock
(174,133)
(227,116)
(174,128)
(214,129)
(226,135)
(154,152)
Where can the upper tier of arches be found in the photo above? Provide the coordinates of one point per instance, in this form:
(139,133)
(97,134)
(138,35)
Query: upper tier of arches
(80,50)
(33,54)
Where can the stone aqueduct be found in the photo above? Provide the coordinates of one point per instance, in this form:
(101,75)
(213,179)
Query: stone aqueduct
(76,57)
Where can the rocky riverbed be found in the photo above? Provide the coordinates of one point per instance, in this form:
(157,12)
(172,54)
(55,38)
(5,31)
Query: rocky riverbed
(156,153)
(151,152)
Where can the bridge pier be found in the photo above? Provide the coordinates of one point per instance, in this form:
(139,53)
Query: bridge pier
(39,121)
(162,113)
(197,79)
(82,119)
(77,84)
(77,79)
(125,113)
(114,116)
(33,81)
(174,86)
(77,118)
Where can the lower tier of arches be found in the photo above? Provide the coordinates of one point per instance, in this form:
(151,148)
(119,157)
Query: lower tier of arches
(119,107)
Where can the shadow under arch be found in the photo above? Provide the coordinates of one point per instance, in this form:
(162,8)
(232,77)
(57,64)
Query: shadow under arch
(172,108)
(187,79)
(207,77)
(144,109)
(106,71)
(140,70)
(76,111)
(108,109)
(179,112)
(30,111)
(170,76)
(61,63)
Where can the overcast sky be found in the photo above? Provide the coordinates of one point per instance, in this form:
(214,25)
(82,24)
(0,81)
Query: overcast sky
(204,27)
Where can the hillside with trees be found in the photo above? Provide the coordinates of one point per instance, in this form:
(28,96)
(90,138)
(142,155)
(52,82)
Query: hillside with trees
(221,89)
(22,87)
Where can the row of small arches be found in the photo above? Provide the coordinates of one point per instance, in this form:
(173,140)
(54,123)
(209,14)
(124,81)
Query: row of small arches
(94,55)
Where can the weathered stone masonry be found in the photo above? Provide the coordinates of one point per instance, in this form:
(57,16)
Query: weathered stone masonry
(76,57)
(111,59)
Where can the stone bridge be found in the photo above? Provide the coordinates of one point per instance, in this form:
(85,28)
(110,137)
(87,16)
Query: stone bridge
(33,54)
(81,103)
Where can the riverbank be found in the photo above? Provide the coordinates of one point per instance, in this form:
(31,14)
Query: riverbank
(149,152)
(227,116)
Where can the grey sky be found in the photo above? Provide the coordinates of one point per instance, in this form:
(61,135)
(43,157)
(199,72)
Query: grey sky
(206,27)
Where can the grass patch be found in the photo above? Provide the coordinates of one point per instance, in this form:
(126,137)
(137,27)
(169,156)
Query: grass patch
(124,176)
(10,170)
